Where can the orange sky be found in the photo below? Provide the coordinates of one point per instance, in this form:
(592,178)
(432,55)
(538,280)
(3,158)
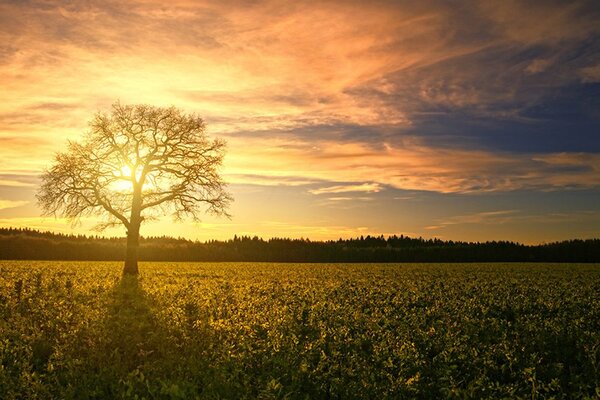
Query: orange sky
(342,118)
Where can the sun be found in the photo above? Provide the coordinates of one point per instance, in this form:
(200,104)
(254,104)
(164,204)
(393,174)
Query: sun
(122,182)
(126,171)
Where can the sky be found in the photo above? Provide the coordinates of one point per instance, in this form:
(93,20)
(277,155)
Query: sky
(458,120)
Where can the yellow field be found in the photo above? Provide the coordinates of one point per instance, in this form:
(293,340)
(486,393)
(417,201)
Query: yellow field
(76,330)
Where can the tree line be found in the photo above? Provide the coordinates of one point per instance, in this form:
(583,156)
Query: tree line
(30,244)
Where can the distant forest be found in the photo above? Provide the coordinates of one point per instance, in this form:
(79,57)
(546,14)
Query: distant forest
(28,244)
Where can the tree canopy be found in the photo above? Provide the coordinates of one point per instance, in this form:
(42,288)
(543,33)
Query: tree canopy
(137,162)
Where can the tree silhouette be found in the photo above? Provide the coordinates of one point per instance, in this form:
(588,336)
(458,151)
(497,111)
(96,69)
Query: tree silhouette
(137,163)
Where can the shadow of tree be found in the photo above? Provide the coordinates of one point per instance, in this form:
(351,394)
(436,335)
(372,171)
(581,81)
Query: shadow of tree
(131,326)
(135,351)
(124,350)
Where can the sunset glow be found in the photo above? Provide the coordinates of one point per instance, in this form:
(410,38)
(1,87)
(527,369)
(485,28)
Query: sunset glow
(466,121)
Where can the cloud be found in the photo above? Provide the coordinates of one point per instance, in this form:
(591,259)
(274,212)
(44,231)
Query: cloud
(13,183)
(8,204)
(317,231)
(25,154)
(334,199)
(538,65)
(365,187)
(590,74)
(19,180)
(321,93)
(487,217)
(412,165)
(540,22)
(516,216)
(268,66)
(268,180)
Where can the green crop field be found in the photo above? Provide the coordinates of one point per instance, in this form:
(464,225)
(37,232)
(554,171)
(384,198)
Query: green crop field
(74,330)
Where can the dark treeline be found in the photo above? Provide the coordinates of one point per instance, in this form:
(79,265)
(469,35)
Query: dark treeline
(28,244)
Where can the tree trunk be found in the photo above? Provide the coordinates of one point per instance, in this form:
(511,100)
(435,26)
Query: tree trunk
(131,256)
(133,232)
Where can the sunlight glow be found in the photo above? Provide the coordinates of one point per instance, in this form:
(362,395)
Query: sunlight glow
(124,183)
(122,186)
(126,171)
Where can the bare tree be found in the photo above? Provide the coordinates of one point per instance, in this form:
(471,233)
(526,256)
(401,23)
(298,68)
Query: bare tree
(137,163)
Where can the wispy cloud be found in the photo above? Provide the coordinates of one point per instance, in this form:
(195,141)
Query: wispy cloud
(342,198)
(515,216)
(487,217)
(412,166)
(22,179)
(8,204)
(319,231)
(365,187)
(15,183)
(590,74)
(269,180)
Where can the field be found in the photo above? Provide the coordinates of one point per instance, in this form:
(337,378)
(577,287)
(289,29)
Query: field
(76,330)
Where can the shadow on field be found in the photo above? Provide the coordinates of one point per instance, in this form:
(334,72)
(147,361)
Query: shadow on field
(130,325)
(140,349)
(129,345)
(137,355)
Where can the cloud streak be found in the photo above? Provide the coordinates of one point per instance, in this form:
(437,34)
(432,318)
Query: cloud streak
(365,188)
(487,217)
(413,166)
(8,204)
(501,217)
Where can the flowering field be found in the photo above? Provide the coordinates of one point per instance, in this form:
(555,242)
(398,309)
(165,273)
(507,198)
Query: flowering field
(75,330)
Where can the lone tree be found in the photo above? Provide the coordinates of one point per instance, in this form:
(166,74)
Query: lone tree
(137,163)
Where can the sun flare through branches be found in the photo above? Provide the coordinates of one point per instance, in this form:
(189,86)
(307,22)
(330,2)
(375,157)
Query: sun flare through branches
(138,163)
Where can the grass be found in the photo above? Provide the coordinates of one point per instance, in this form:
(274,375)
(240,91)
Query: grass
(75,330)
